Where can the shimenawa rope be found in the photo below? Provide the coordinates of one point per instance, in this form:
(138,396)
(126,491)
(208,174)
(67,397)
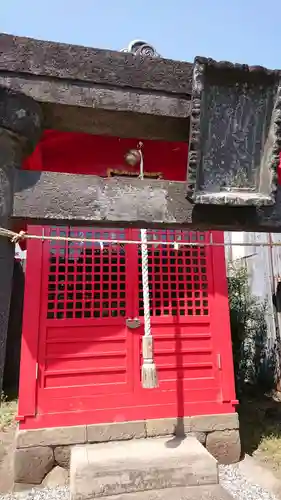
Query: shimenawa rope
(177,244)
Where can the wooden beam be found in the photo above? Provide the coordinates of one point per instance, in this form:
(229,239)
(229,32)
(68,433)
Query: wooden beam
(54,198)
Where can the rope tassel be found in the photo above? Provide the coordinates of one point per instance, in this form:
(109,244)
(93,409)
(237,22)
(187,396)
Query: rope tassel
(148,372)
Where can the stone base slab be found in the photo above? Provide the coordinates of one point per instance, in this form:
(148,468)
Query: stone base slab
(211,492)
(119,431)
(98,470)
(219,433)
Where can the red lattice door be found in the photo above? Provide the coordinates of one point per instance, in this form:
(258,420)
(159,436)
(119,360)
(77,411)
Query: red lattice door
(183,320)
(89,360)
(86,351)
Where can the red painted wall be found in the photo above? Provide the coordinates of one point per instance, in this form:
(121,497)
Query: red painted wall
(41,407)
(91,154)
(78,153)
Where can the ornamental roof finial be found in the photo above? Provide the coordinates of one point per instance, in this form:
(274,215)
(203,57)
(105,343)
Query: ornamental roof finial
(141,48)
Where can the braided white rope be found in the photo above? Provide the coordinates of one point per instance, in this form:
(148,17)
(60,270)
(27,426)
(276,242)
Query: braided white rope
(149,374)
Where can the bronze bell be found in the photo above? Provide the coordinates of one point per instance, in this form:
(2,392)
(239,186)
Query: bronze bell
(133,157)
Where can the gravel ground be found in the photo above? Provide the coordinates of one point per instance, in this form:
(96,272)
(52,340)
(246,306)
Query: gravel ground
(238,486)
(39,494)
(230,478)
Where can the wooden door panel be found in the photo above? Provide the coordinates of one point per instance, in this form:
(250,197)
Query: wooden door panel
(181,303)
(86,350)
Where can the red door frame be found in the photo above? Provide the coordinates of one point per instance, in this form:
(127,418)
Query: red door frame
(31,327)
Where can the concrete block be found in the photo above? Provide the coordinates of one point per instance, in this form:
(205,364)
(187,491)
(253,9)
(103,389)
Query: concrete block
(201,436)
(211,492)
(118,431)
(57,477)
(62,456)
(225,446)
(168,426)
(32,464)
(160,427)
(209,423)
(20,487)
(145,464)
(53,436)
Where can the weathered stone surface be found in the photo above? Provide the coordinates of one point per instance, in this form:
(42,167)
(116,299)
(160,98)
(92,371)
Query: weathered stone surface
(210,492)
(62,456)
(19,487)
(137,465)
(228,174)
(50,196)
(96,66)
(99,433)
(160,427)
(32,464)
(225,446)
(100,91)
(121,124)
(116,112)
(53,436)
(209,423)
(20,128)
(121,100)
(168,426)
(201,436)
(56,477)
(21,115)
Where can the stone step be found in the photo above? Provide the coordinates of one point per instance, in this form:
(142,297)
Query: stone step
(210,492)
(116,468)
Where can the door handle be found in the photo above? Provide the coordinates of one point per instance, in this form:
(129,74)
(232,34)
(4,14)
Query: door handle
(133,323)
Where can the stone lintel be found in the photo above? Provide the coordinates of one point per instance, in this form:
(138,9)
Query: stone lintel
(106,111)
(29,57)
(52,198)
(100,91)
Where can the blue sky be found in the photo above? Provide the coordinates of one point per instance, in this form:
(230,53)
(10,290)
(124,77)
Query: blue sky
(246,31)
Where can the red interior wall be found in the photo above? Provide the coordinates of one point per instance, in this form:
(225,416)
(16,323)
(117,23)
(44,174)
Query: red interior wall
(78,153)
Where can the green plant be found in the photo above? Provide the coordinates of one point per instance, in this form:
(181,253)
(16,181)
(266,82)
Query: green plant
(8,411)
(254,363)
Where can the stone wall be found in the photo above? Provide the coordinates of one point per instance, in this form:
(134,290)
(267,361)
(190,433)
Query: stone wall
(39,451)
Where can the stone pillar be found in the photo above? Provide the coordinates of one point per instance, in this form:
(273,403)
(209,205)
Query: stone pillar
(20,129)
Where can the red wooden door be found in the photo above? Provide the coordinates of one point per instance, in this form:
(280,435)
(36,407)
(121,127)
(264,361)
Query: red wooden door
(86,352)
(183,314)
(89,362)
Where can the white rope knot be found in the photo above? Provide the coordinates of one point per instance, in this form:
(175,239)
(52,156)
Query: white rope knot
(18,237)
(14,237)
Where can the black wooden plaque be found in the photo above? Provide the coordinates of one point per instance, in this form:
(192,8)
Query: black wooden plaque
(235,134)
